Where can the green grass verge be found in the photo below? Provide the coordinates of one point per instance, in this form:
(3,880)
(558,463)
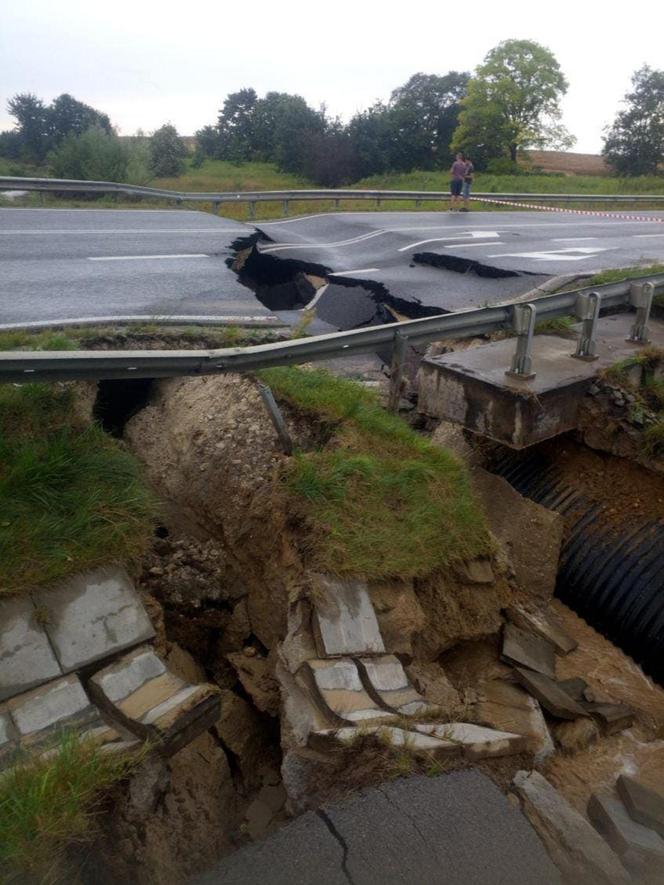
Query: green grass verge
(46,805)
(378,500)
(623,273)
(70,496)
(649,391)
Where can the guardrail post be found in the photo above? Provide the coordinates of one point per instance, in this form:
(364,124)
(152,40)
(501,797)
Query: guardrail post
(378,202)
(641,296)
(396,371)
(215,208)
(276,417)
(418,203)
(523,320)
(285,207)
(587,310)
(336,203)
(252,209)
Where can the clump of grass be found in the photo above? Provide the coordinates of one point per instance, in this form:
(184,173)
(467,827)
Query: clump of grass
(15,340)
(623,273)
(47,805)
(555,326)
(70,497)
(653,439)
(377,499)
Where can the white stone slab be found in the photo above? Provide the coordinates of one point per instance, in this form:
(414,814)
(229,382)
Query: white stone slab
(93,616)
(476,741)
(344,618)
(388,680)
(59,703)
(26,656)
(340,687)
(124,677)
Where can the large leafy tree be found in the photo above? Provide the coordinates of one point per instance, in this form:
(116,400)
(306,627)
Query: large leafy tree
(167,151)
(235,125)
(513,102)
(634,145)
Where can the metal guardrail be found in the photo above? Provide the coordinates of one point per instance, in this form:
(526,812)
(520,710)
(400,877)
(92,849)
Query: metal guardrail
(101,365)
(65,185)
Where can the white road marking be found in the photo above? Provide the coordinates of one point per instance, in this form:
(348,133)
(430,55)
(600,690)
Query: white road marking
(343,273)
(129,230)
(314,301)
(473,245)
(475,234)
(646,236)
(143,257)
(556,254)
(351,242)
(572,239)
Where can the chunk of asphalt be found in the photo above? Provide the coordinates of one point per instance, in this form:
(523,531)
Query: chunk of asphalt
(645,805)
(550,695)
(640,848)
(521,648)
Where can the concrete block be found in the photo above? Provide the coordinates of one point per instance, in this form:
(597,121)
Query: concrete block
(344,618)
(639,848)
(611,718)
(550,695)
(475,741)
(386,681)
(524,649)
(645,805)
(574,845)
(25,652)
(93,616)
(509,708)
(152,702)
(338,685)
(543,626)
(418,743)
(39,714)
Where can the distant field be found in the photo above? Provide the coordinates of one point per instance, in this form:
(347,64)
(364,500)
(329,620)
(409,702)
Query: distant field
(568,163)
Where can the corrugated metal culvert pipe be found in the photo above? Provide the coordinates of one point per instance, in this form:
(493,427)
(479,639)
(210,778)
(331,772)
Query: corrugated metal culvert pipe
(611,571)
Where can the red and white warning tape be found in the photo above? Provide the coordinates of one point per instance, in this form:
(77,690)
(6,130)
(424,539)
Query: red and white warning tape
(595,212)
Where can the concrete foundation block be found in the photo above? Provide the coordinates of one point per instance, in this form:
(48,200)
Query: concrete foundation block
(93,616)
(385,679)
(338,687)
(26,655)
(415,742)
(152,702)
(508,707)
(645,805)
(640,848)
(524,649)
(344,619)
(476,741)
(550,695)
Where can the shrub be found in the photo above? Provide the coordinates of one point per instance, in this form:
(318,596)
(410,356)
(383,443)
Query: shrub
(167,151)
(93,156)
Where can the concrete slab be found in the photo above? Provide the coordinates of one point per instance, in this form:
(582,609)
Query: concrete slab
(508,707)
(340,690)
(40,713)
(415,742)
(93,616)
(522,648)
(476,741)
(26,656)
(544,626)
(576,688)
(611,718)
(385,679)
(550,695)
(574,845)
(344,619)
(149,700)
(640,848)
(471,388)
(645,805)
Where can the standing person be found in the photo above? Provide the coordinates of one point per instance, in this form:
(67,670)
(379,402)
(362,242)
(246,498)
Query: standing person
(457,173)
(467,182)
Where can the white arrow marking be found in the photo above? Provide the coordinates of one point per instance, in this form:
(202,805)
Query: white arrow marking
(558,254)
(474,234)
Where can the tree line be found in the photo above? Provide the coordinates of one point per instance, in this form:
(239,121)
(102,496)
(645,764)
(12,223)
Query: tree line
(509,104)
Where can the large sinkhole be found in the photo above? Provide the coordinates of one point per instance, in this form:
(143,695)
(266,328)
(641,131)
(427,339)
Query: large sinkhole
(118,401)
(467,266)
(611,569)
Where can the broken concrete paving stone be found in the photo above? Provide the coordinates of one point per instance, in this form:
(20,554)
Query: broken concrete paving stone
(385,678)
(544,626)
(476,741)
(26,654)
(340,688)
(154,703)
(523,649)
(344,618)
(645,805)
(639,847)
(576,688)
(550,695)
(92,616)
(612,718)
(418,743)
(508,707)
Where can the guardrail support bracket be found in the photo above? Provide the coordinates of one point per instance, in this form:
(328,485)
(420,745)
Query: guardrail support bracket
(641,297)
(276,417)
(285,207)
(587,310)
(523,319)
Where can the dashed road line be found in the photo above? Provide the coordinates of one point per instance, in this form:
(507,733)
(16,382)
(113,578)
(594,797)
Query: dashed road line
(145,257)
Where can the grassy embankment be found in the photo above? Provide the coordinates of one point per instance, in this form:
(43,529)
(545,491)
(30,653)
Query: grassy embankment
(48,806)
(70,497)
(378,499)
(219,175)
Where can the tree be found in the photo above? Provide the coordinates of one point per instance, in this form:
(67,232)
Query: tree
(167,151)
(371,134)
(207,141)
(93,156)
(634,145)
(235,125)
(513,102)
(67,116)
(32,125)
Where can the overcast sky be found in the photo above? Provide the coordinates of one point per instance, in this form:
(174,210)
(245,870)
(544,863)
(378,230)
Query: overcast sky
(146,63)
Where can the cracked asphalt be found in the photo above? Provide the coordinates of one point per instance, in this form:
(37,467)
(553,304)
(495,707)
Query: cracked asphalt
(457,829)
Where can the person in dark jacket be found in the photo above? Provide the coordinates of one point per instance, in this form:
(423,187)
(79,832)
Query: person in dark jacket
(467,182)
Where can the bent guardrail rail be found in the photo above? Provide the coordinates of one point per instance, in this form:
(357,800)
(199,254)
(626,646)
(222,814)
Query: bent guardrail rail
(66,185)
(16,366)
